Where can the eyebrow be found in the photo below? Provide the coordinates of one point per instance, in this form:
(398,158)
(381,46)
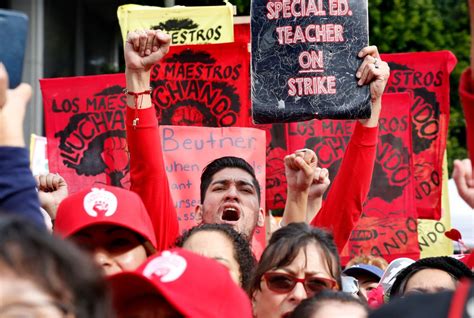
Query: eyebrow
(419,289)
(239,182)
(295,274)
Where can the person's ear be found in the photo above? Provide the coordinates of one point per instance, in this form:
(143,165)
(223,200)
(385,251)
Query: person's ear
(198,214)
(261,218)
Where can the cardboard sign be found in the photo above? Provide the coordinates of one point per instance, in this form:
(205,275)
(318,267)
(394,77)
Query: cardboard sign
(426,77)
(431,238)
(185,25)
(38,157)
(85,127)
(187,150)
(388,225)
(304,60)
(203,85)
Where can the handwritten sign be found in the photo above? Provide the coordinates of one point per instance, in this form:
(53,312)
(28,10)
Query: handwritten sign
(187,150)
(185,25)
(304,60)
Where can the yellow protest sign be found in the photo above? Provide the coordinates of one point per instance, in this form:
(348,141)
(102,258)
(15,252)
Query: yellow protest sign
(186,25)
(431,238)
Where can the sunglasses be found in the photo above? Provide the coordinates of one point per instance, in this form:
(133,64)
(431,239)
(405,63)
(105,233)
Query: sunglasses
(284,283)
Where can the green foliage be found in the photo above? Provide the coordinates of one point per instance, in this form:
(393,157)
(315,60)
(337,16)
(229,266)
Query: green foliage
(427,25)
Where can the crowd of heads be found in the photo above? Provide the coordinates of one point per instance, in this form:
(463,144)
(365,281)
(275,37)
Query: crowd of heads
(103,257)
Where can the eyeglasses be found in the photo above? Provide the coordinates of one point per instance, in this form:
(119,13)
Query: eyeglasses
(284,283)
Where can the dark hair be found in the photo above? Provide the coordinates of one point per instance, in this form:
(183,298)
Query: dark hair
(242,251)
(310,306)
(286,243)
(450,265)
(226,162)
(56,266)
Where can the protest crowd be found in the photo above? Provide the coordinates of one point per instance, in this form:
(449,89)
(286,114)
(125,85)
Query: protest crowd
(101,250)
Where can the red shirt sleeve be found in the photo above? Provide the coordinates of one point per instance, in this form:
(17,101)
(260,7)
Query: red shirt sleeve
(466,91)
(148,176)
(342,209)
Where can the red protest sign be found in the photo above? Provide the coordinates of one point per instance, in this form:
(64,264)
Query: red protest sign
(203,85)
(85,127)
(187,150)
(276,150)
(425,76)
(389,217)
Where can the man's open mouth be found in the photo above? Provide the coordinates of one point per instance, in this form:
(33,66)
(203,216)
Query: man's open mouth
(230,214)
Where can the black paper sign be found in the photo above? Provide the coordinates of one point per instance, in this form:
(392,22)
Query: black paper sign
(304,60)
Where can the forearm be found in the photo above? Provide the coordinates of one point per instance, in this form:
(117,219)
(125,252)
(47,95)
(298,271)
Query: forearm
(138,81)
(313,207)
(295,207)
(373,121)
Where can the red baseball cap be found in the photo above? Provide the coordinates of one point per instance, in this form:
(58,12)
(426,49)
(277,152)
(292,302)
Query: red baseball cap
(104,205)
(194,285)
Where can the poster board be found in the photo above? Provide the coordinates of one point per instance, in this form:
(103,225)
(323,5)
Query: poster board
(304,60)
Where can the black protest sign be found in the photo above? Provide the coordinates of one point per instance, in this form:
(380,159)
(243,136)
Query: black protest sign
(304,60)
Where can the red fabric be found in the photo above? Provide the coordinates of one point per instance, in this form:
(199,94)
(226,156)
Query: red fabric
(375,297)
(466,91)
(388,225)
(148,176)
(425,75)
(194,285)
(242,32)
(276,150)
(343,206)
(458,302)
